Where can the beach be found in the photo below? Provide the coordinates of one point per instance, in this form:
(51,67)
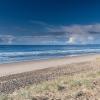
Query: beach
(20,67)
(72,78)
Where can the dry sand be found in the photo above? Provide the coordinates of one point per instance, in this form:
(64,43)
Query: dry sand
(20,67)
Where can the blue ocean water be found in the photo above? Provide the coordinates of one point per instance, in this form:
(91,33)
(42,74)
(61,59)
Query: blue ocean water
(16,53)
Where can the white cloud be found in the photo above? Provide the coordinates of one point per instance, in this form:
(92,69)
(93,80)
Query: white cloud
(6,39)
(40,23)
(73,34)
(71,40)
(79,34)
(10,39)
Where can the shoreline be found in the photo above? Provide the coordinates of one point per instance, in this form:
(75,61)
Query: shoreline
(42,59)
(26,66)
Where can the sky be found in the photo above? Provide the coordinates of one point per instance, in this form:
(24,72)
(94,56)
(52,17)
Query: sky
(49,22)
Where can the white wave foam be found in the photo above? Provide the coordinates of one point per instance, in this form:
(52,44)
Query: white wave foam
(4,54)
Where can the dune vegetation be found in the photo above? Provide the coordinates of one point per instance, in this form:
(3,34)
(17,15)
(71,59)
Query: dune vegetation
(84,86)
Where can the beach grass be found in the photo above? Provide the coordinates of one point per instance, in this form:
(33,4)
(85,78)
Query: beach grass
(66,87)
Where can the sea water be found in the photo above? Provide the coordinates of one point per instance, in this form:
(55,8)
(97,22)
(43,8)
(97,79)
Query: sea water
(17,53)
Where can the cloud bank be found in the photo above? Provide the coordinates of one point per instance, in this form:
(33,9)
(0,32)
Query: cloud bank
(79,34)
(72,34)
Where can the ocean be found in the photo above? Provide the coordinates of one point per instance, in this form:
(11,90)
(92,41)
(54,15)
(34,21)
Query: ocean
(17,53)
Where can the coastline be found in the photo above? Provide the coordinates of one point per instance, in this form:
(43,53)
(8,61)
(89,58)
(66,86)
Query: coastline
(26,66)
(15,76)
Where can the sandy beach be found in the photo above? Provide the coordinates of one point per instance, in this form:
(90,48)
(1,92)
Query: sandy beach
(20,67)
(14,76)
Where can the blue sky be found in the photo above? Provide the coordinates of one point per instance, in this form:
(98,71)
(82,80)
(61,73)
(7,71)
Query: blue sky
(49,22)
